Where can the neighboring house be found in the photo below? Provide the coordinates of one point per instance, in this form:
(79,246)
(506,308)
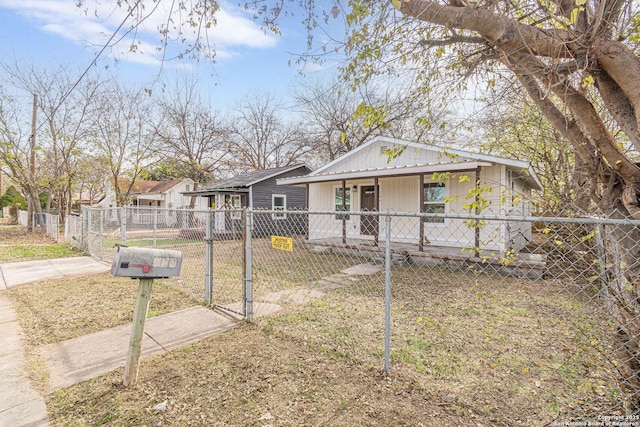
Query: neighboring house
(163,194)
(257,190)
(146,195)
(372,180)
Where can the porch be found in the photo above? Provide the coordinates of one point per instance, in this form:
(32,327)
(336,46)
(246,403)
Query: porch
(520,264)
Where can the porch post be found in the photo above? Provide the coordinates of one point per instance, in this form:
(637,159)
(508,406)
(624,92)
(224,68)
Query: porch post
(421,198)
(376,207)
(477,212)
(344,216)
(307,208)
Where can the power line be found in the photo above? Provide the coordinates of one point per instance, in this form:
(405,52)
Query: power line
(93,62)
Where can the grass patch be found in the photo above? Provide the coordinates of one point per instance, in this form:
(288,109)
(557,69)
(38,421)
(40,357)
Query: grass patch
(15,253)
(514,350)
(17,244)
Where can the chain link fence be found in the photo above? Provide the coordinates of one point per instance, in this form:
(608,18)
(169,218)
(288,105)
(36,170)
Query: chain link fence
(515,320)
(48,224)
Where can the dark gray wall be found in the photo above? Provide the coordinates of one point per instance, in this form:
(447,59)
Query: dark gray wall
(296,196)
(265,225)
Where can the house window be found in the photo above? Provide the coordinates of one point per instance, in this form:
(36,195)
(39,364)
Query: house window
(235,203)
(338,202)
(434,201)
(279,203)
(187,187)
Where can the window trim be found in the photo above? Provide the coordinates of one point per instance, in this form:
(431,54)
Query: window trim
(339,217)
(274,215)
(425,203)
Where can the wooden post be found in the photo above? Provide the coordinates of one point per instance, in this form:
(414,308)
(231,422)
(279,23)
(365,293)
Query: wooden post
(31,207)
(137,332)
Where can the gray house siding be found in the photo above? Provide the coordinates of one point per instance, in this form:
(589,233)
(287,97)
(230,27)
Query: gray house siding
(296,198)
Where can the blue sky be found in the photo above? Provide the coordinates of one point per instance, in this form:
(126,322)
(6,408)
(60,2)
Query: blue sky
(51,32)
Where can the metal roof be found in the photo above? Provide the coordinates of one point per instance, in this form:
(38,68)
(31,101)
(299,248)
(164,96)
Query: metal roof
(464,165)
(241,183)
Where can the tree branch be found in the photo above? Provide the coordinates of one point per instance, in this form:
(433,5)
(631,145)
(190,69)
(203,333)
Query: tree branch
(451,40)
(623,66)
(618,105)
(497,29)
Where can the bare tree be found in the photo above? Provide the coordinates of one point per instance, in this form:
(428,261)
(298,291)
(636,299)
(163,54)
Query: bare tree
(340,117)
(191,134)
(92,178)
(260,137)
(512,126)
(123,137)
(16,150)
(62,109)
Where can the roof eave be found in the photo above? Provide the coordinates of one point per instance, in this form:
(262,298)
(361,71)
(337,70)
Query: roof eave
(383,173)
(293,167)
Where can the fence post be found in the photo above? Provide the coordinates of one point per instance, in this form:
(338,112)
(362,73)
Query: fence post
(123,225)
(88,231)
(208,275)
(155,225)
(102,234)
(248,273)
(387,294)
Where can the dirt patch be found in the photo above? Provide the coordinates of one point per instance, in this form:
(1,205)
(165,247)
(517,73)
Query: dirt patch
(249,376)
(17,234)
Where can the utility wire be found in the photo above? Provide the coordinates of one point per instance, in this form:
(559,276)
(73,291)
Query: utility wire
(93,62)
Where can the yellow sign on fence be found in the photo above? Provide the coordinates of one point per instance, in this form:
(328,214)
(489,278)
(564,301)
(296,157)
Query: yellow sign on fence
(282,243)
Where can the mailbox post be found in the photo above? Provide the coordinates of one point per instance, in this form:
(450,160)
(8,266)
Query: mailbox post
(144,264)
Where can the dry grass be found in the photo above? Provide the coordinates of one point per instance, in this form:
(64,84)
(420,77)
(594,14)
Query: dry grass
(56,310)
(247,376)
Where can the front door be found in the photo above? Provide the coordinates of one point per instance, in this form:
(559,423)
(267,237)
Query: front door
(368,223)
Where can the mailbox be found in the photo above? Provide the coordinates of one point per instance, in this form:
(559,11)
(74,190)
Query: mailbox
(146,263)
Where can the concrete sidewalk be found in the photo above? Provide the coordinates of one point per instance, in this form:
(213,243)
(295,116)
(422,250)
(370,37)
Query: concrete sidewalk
(20,273)
(84,357)
(89,356)
(20,405)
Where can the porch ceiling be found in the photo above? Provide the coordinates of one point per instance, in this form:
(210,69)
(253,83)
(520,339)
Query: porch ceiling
(385,172)
(158,197)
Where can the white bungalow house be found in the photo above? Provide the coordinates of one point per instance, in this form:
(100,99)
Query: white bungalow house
(148,196)
(420,178)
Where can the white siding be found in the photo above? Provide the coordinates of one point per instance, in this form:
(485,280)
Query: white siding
(402,194)
(371,157)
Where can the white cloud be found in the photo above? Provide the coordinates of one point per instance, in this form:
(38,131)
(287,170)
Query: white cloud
(96,21)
